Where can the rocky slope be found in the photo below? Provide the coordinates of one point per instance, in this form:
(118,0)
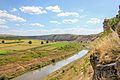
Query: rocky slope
(105,59)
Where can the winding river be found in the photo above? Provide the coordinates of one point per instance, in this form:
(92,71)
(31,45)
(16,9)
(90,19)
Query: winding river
(39,74)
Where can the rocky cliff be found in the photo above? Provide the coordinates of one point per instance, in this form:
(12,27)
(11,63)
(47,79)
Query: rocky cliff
(105,59)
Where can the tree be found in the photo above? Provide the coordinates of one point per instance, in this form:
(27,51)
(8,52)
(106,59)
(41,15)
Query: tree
(47,41)
(42,42)
(3,41)
(30,42)
(19,39)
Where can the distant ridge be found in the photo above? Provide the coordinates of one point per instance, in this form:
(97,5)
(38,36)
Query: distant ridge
(56,37)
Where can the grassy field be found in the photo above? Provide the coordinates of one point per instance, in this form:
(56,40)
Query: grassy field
(19,57)
(3,52)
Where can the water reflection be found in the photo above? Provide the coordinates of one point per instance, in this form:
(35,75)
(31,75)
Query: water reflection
(43,72)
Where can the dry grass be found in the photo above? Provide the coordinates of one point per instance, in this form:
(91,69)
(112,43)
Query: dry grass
(77,70)
(9,45)
(107,46)
(81,69)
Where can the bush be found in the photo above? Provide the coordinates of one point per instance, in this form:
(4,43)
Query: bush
(30,42)
(19,39)
(42,42)
(3,41)
(47,41)
(53,60)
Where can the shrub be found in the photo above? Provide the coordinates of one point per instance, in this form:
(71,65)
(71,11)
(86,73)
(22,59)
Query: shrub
(47,41)
(30,42)
(42,42)
(19,39)
(3,41)
(53,60)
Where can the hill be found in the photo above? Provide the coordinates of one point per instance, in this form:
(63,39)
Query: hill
(56,37)
(105,58)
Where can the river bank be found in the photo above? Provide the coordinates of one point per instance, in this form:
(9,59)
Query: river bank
(43,72)
(79,69)
(55,52)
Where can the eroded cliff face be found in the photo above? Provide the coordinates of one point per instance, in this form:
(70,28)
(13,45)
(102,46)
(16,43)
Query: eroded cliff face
(105,71)
(118,29)
(105,59)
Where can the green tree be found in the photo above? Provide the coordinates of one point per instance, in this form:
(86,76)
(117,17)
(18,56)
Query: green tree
(42,42)
(47,41)
(19,39)
(2,41)
(30,42)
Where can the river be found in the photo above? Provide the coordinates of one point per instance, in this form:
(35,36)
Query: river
(39,74)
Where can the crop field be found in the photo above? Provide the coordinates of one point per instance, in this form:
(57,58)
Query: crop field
(17,56)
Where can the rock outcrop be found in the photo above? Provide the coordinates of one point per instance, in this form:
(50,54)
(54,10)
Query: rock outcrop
(105,60)
(104,71)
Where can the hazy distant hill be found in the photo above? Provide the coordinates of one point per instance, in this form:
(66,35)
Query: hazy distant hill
(63,37)
(55,37)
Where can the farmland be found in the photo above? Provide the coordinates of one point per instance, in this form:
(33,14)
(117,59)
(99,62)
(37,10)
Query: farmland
(18,56)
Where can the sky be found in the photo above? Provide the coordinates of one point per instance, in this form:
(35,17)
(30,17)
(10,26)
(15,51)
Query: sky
(44,17)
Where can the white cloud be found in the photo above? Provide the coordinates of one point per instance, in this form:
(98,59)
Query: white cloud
(55,22)
(37,25)
(78,31)
(94,21)
(54,8)
(70,21)
(13,10)
(33,10)
(3,26)
(68,14)
(6,16)
(2,21)
(17,24)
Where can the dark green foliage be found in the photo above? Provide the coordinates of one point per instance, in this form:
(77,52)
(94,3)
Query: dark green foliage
(112,22)
(30,42)
(63,71)
(3,41)
(53,60)
(47,41)
(42,42)
(19,39)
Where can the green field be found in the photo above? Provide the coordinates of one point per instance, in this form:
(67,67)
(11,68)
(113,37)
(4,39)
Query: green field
(2,52)
(18,57)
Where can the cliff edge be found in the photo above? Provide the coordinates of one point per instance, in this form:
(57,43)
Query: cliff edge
(105,59)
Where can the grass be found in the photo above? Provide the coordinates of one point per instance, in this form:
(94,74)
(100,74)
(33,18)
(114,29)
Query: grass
(3,52)
(32,56)
(77,70)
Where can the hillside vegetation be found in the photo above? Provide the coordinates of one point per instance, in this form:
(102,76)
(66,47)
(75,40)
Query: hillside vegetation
(105,59)
(102,61)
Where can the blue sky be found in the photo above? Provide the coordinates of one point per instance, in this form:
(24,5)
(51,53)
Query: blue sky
(43,17)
